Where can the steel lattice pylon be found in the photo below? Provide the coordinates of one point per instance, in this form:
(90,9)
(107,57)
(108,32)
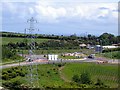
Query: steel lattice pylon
(32,67)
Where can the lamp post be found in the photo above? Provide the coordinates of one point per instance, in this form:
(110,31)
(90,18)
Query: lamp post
(101,46)
(111,53)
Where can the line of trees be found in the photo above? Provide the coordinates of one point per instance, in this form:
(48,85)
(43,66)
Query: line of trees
(9,53)
(51,44)
(104,39)
(111,50)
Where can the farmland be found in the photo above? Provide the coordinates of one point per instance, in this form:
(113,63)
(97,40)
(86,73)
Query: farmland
(60,77)
(56,75)
(6,40)
(107,73)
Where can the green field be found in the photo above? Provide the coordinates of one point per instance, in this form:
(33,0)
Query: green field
(110,55)
(107,73)
(54,76)
(6,40)
(85,51)
(113,55)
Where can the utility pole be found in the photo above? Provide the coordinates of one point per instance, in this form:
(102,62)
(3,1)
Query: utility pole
(101,46)
(111,54)
(32,67)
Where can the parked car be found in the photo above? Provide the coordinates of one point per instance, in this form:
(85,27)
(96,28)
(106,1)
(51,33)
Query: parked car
(29,60)
(92,56)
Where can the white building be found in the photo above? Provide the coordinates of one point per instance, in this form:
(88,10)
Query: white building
(52,57)
(98,48)
(83,45)
(109,47)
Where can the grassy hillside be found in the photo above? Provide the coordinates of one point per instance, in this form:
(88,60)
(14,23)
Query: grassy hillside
(6,40)
(55,76)
(107,73)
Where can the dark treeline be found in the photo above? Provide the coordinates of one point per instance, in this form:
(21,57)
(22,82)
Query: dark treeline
(62,42)
(109,50)
(55,43)
(9,53)
(50,44)
(20,35)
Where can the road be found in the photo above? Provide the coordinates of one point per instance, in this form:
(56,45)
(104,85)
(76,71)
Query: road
(45,61)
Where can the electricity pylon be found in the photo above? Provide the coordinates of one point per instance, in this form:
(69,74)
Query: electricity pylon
(32,67)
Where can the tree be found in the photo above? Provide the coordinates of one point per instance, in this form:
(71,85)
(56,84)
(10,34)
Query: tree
(5,77)
(99,82)
(107,38)
(76,78)
(85,78)
(12,85)
(7,52)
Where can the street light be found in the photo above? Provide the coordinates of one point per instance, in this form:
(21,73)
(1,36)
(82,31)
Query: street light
(101,46)
(111,52)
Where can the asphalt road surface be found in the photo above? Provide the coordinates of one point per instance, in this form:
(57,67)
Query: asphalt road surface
(45,61)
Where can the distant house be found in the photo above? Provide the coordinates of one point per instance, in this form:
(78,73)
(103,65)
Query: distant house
(83,45)
(77,54)
(109,47)
(89,46)
(116,44)
(69,54)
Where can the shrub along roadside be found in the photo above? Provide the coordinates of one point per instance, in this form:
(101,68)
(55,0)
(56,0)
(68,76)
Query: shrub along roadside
(84,79)
(12,73)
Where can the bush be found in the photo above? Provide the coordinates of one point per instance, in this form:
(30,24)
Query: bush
(111,50)
(10,71)
(59,65)
(5,77)
(100,84)
(12,75)
(20,73)
(76,78)
(4,72)
(13,85)
(48,72)
(82,85)
(85,78)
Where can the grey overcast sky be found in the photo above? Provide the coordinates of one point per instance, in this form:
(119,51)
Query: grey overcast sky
(61,16)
